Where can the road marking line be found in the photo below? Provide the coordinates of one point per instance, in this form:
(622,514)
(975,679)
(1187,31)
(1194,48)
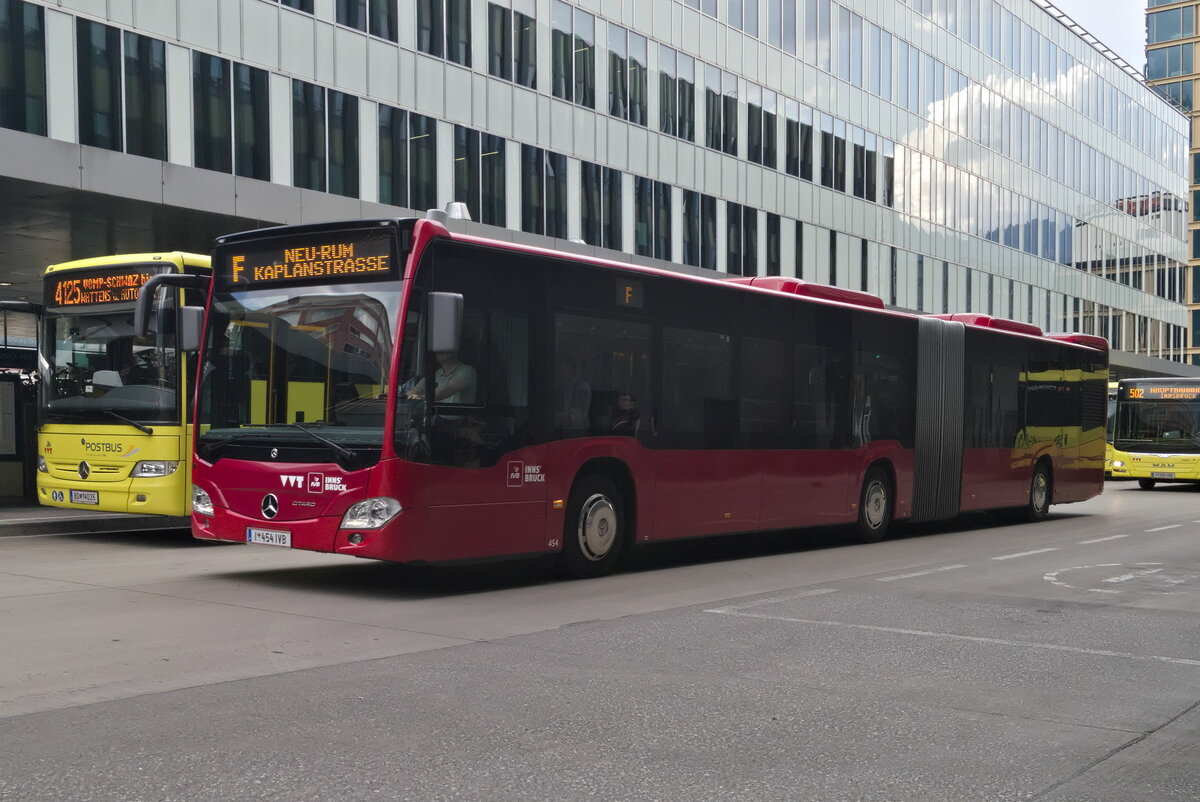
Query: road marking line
(734,608)
(1132,575)
(1161,528)
(918,573)
(1023,554)
(1053,647)
(1101,539)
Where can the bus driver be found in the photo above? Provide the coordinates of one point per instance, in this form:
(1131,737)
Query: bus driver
(455,381)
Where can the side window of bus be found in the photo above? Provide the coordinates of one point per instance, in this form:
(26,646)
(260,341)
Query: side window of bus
(991,416)
(1094,394)
(821,378)
(489,416)
(1052,391)
(883,398)
(763,388)
(601,376)
(699,404)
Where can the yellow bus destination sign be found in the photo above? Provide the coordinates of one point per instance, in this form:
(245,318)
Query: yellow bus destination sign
(120,285)
(1163,392)
(362,256)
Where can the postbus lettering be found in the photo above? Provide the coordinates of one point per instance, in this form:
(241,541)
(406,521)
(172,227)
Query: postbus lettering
(102,448)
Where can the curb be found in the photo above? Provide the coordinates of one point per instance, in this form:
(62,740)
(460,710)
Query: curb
(86,525)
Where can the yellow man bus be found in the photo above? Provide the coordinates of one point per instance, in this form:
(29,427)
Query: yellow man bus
(115,430)
(1157,431)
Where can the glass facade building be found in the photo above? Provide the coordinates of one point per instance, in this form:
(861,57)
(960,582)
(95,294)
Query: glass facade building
(1171,38)
(946,155)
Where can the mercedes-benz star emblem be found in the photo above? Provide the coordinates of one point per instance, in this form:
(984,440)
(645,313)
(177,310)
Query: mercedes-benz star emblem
(270,506)
(85,470)
(274,453)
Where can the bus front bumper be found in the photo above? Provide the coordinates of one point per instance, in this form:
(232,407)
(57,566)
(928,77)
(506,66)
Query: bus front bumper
(309,534)
(1157,467)
(161,495)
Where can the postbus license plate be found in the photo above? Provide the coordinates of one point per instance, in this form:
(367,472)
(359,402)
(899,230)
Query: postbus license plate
(1161,475)
(85,497)
(269,537)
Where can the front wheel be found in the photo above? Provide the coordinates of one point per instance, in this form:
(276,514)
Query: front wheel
(875,506)
(1146,484)
(594,532)
(1040,489)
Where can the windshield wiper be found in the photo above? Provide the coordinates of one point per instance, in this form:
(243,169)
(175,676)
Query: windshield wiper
(340,450)
(141,427)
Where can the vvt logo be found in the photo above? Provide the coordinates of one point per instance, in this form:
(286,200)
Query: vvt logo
(287,480)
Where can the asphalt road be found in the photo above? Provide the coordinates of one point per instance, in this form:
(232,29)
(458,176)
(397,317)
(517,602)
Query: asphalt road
(970,661)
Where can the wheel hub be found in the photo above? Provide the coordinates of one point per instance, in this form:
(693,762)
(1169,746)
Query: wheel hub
(1041,491)
(597,527)
(875,506)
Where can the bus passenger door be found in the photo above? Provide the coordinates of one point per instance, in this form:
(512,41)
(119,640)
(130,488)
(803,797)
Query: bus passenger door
(816,486)
(705,483)
(486,488)
(601,400)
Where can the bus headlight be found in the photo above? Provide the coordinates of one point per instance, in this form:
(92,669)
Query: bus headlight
(371,514)
(201,502)
(41,464)
(154,467)
(1118,463)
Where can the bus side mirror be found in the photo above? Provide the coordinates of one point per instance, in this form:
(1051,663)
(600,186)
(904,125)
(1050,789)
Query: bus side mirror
(191,327)
(445,321)
(145,299)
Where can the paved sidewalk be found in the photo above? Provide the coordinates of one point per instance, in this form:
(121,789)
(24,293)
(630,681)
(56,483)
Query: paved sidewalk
(23,518)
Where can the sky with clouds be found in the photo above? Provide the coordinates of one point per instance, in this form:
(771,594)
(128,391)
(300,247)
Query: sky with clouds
(1119,24)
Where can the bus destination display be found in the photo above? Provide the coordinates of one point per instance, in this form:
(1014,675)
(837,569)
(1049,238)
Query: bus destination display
(117,286)
(356,255)
(1163,392)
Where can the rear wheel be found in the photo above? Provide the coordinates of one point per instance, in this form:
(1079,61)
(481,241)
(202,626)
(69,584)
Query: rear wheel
(1146,484)
(1040,490)
(875,506)
(594,532)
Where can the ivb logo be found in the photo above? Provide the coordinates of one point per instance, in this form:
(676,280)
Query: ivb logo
(516,474)
(314,482)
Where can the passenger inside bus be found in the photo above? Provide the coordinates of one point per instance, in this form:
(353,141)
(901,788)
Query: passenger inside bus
(572,414)
(627,418)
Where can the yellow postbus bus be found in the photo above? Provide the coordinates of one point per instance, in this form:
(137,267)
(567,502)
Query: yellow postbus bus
(1157,431)
(115,418)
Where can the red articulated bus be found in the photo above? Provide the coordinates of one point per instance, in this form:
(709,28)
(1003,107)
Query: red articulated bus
(583,406)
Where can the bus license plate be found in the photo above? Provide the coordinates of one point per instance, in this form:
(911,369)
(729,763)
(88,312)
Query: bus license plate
(269,537)
(1161,475)
(85,497)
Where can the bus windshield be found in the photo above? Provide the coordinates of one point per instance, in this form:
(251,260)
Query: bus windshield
(99,371)
(1158,426)
(301,369)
